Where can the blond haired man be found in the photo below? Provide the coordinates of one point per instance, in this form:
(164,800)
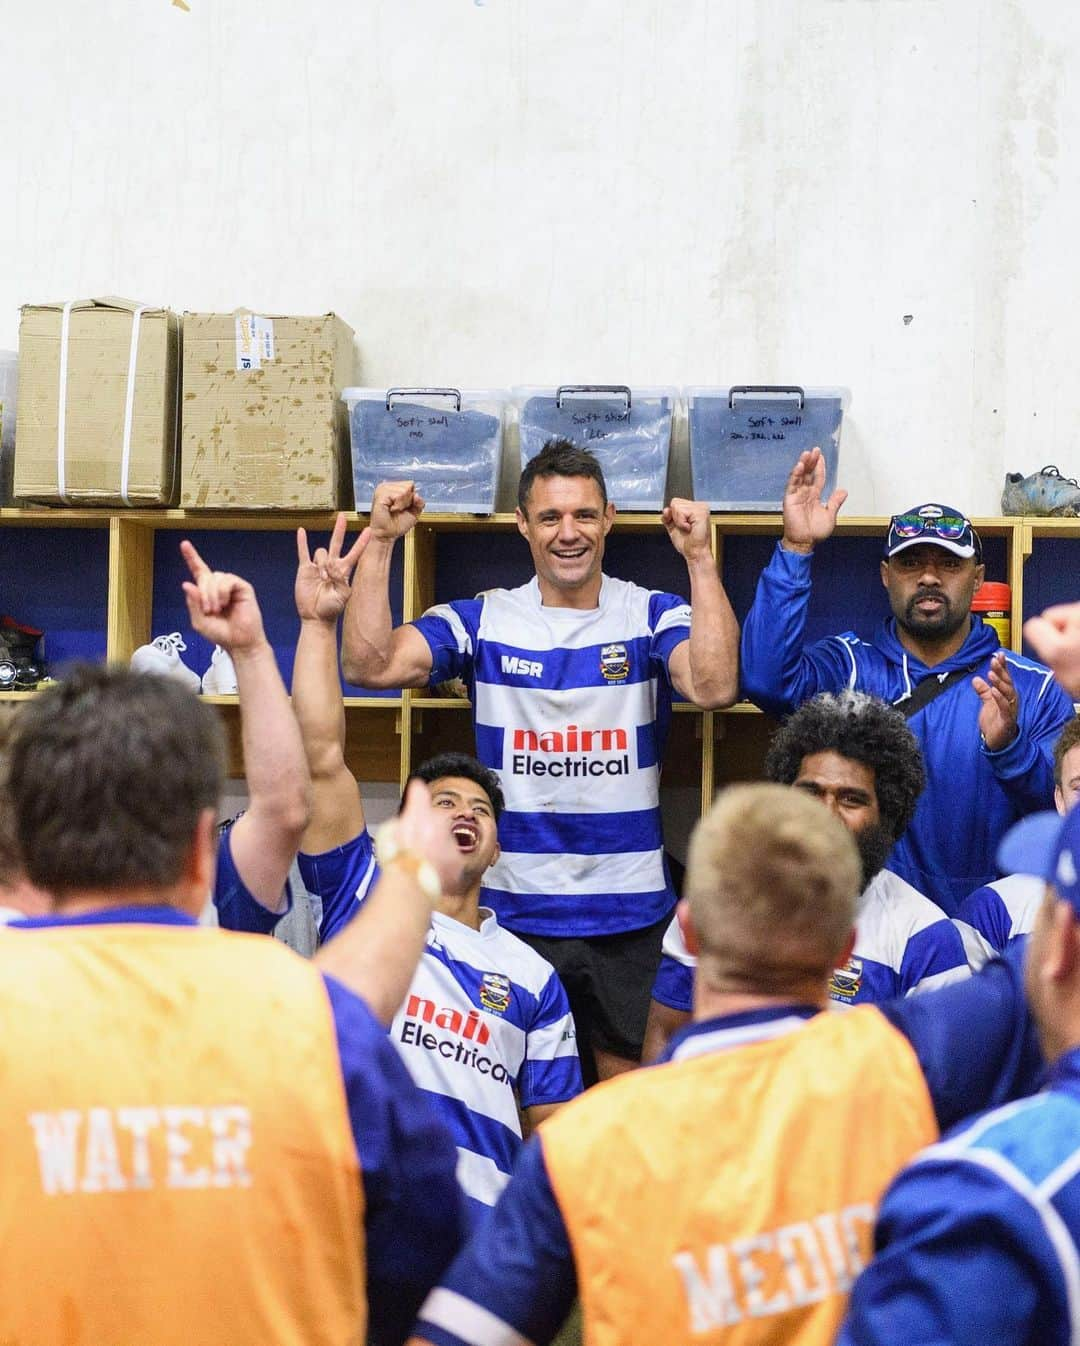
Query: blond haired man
(729,1193)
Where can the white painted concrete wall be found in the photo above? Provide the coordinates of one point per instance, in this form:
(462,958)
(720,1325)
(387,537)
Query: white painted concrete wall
(540,190)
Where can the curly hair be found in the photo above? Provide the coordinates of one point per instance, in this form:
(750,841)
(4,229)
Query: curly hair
(864,729)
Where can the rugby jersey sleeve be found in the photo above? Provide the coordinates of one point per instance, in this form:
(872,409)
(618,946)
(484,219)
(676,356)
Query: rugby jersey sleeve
(960,1257)
(515,1278)
(674,984)
(975,1040)
(984,915)
(413,1215)
(551,1071)
(933,957)
(669,624)
(237,909)
(450,630)
(342,879)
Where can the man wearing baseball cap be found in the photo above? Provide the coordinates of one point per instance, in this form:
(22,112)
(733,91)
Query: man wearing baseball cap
(986,718)
(978,1239)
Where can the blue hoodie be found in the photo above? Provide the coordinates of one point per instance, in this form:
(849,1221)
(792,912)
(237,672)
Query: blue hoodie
(972,796)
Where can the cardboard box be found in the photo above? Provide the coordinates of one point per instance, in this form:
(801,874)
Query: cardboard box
(263,423)
(107,433)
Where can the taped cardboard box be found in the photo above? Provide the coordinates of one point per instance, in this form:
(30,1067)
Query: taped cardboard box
(263,423)
(97,410)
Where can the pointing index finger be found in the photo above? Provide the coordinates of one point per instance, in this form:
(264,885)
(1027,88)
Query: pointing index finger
(195,562)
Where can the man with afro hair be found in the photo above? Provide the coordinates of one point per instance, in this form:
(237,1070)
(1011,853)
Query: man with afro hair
(859,758)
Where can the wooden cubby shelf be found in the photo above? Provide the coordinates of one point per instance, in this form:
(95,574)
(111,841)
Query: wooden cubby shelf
(103,582)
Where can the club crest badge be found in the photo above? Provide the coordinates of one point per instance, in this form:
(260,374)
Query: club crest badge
(614,665)
(495,992)
(845,981)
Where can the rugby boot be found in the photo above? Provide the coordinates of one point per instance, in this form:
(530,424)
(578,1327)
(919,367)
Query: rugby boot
(1043,493)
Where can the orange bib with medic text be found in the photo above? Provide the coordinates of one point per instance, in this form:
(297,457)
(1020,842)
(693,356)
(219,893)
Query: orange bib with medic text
(730,1196)
(178,1163)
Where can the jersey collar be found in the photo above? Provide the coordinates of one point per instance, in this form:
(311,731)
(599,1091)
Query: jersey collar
(137,915)
(735,1030)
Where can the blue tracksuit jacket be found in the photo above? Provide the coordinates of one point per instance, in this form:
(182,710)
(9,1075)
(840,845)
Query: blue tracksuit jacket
(972,796)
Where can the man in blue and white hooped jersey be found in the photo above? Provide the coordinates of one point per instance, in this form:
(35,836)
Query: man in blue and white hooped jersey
(571,677)
(1003,911)
(858,756)
(485,1028)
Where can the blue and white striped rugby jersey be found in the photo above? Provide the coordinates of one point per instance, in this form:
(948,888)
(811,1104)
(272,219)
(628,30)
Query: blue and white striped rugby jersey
(571,709)
(904,945)
(485,1024)
(998,913)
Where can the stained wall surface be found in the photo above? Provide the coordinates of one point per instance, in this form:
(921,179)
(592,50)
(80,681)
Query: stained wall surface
(882,194)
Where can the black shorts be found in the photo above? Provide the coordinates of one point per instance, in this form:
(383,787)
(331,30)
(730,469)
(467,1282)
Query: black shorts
(608,981)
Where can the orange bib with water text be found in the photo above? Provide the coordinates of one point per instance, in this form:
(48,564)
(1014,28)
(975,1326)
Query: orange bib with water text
(178,1163)
(730,1196)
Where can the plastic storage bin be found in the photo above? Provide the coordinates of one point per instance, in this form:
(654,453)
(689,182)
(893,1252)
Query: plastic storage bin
(745,440)
(629,430)
(447,440)
(9,368)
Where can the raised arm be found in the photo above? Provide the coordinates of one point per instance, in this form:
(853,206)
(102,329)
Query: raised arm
(778,672)
(264,841)
(376,954)
(705,668)
(321,592)
(373,652)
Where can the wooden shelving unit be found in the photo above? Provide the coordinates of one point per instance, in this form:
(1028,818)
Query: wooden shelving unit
(388,734)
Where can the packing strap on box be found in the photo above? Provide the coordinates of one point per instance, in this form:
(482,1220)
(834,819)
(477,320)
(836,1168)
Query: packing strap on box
(129,403)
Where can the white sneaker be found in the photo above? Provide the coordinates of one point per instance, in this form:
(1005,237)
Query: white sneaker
(162,656)
(220,678)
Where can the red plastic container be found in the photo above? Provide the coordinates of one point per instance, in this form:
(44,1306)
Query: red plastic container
(993,602)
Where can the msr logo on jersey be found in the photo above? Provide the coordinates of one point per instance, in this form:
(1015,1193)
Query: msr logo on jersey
(527,743)
(524,668)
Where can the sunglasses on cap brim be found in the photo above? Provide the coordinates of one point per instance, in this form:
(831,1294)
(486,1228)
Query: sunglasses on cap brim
(951,527)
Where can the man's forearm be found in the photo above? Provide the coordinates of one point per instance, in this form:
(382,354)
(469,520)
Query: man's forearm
(274,760)
(376,954)
(367,636)
(714,637)
(316,695)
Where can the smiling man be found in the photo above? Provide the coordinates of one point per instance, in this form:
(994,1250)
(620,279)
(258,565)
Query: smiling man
(570,677)
(485,1027)
(985,718)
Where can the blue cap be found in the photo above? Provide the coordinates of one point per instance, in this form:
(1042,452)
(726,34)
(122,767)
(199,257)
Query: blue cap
(940,525)
(1048,846)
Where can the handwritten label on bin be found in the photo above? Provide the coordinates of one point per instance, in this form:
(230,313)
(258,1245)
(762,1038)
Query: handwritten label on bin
(741,455)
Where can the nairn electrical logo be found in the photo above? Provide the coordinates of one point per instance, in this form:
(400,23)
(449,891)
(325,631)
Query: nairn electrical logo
(573,752)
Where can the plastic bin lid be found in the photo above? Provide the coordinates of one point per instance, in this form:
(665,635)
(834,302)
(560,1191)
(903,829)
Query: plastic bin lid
(766,391)
(403,393)
(521,392)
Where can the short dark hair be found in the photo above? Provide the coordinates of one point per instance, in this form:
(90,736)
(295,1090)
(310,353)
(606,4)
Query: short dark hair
(1068,738)
(560,458)
(863,729)
(461,764)
(108,773)
(11,865)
